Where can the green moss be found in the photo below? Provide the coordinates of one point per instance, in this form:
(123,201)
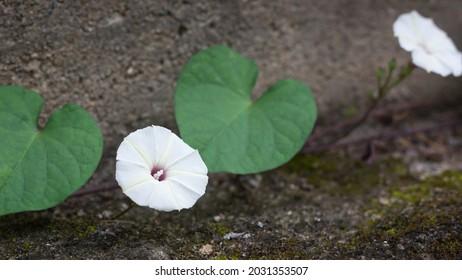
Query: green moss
(344,176)
(219,228)
(89,230)
(448,248)
(424,208)
(396,207)
(391,232)
(448,180)
(26,245)
(412,194)
(228,251)
(221,257)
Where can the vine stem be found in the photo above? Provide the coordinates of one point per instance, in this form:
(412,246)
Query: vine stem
(382,90)
(130,207)
(365,140)
(380,113)
(101,188)
(351,125)
(310,149)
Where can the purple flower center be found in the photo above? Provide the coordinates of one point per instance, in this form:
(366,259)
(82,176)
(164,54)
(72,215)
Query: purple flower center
(158,174)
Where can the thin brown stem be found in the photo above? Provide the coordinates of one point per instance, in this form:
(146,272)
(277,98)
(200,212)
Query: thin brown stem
(382,90)
(365,140)
(412,106)
(130,207)
(359,121)
(101,188)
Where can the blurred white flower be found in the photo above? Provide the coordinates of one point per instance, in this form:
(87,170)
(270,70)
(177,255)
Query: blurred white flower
(431,48)
(156,168)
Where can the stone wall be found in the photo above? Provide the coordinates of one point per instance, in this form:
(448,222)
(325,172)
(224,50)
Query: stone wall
(120,59)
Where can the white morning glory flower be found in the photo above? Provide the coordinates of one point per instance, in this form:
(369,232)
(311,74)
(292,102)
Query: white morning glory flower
(156,168)
(431,48)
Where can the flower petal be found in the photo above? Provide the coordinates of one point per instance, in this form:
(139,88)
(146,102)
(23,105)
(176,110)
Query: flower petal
(175,150)
(407,30)
(429,62)
(162,138)
(191,182)
(149,142)
(129,174)
(452,60)
(127,152)
(190,163)
(186,190)
(431,48)
(442,44)
(141,193)
(163,198)
(186,174)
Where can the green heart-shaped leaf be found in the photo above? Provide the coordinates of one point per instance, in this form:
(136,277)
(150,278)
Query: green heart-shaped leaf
(216,115)
(40,168)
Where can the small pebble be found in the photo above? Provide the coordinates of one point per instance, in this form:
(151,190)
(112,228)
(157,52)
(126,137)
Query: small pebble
(234,235)
(206,250)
